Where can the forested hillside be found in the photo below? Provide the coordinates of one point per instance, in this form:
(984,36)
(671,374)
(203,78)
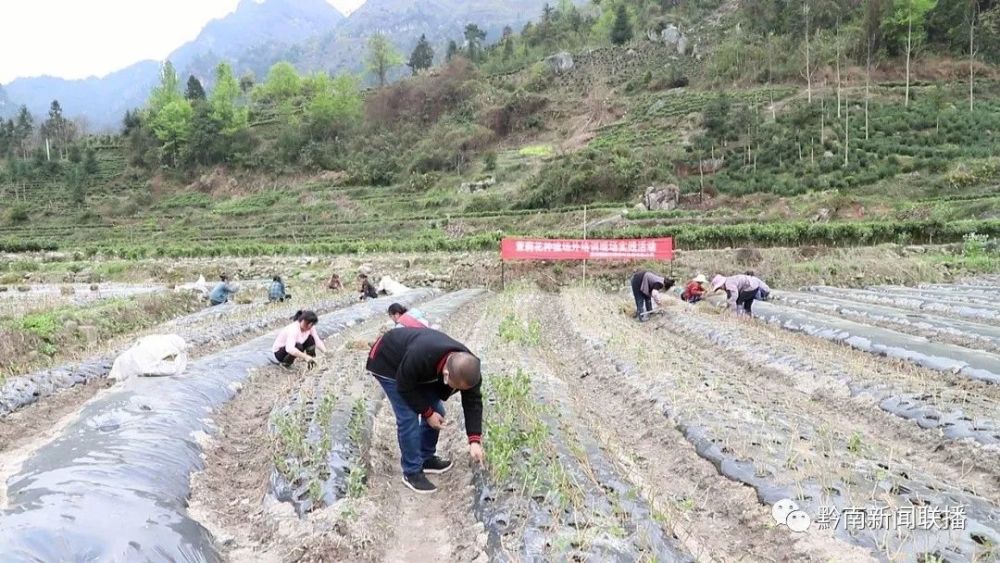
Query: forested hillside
(785,122)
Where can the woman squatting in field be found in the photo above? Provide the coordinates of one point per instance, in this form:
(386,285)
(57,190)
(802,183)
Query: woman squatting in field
(298,340)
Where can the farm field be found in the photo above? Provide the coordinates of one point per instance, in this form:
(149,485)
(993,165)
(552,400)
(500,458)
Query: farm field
(874,410)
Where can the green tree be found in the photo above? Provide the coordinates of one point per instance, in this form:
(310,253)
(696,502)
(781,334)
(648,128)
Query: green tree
(621,30)
(195,91)
(247,82)
(283,83)
(223,101)
(206,143)
(382,57)
(422,56)
(452,51)
(90,164)
(74,154)
(76,180)
(56,127)
(167,92)
(474,38)
(334,107)
(172,126)
(508,49)
(24,128)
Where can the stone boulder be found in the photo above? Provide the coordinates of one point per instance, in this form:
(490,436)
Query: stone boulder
(670,35)
(478,186)
(661,198)
(560,62)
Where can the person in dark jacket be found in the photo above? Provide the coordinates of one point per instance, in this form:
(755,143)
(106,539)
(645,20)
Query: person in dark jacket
(646,287)
(366,289)
(420,368)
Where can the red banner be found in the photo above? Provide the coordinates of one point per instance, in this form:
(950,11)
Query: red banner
(590,249)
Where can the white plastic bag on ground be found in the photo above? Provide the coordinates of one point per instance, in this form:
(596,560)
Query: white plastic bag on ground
(157,355)
(391,286)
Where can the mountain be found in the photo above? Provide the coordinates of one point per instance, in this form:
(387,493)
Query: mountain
(255,25)
(311,34)
(6,105)
(404,21)
(100,101)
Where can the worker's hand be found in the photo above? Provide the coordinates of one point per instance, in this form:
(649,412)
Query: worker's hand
(477,453)
(435,421)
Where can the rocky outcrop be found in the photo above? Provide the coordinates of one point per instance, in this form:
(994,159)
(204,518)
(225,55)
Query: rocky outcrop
(670,35)
(560,62)
(478,186)
(661,198)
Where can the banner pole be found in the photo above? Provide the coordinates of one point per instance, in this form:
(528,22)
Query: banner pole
(584,238)
(503,275)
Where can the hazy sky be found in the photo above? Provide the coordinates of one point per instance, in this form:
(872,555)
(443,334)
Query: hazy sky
(81,38)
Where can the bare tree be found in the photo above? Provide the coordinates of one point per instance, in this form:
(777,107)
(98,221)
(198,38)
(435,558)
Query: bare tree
(847,130)
(809,97)
(868,81)
(837,39)
(909,49)
(973,4)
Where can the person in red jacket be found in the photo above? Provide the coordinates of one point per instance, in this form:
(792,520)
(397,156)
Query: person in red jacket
(419,369)
(695,290)
(403,318)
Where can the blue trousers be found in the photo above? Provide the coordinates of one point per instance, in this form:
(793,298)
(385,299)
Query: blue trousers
(417,440)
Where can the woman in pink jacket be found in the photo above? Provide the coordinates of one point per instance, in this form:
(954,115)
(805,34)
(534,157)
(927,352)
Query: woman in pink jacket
(741,291)
(298,340)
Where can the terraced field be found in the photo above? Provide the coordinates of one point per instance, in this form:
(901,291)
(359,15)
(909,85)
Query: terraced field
(867,420)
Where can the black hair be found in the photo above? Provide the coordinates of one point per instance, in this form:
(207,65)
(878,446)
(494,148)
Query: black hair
(363,276)
(276,278)
(223,277)
(668,283)
(749,273)
(307,316)
(397,309)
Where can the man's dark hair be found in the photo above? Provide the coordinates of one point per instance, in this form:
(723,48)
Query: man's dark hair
(464,369)
(397,309)
(223,277)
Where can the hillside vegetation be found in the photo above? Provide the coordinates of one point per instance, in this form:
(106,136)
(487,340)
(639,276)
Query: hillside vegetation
(780,123)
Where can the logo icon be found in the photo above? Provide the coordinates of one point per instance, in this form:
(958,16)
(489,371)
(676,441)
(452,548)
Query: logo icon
(786,512)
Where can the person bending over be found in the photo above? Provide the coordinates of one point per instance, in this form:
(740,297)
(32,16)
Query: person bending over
(646,287)
(741,291)
(419,369)
(404,317)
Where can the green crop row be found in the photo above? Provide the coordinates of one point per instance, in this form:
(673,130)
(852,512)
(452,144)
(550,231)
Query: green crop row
(690,237)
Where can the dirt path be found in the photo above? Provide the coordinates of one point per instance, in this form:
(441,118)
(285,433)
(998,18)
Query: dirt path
(230,497)
(380,521)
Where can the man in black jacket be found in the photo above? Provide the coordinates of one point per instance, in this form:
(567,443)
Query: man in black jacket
(419,369)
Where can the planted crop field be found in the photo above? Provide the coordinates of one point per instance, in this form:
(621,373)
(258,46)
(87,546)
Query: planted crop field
(840,425)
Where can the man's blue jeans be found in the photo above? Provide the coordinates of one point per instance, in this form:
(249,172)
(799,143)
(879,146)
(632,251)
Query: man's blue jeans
(417,440)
